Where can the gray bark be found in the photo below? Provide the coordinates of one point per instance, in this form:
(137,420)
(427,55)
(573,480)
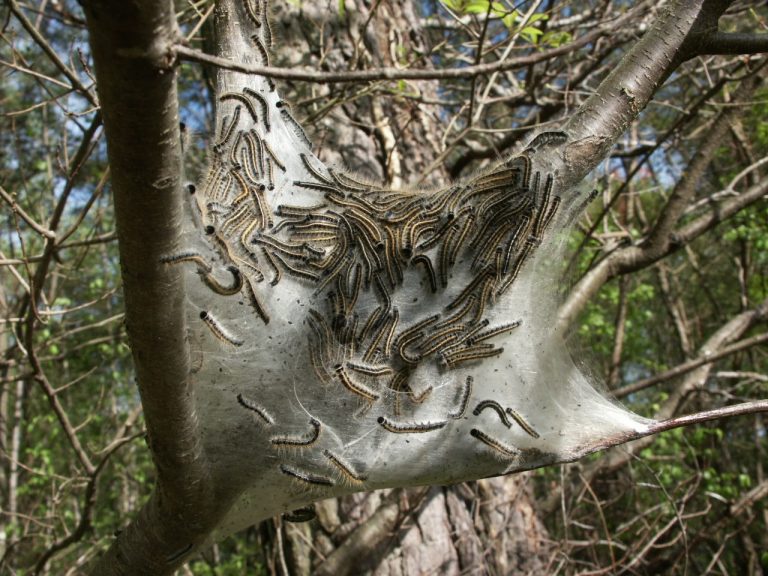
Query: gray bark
(135,69)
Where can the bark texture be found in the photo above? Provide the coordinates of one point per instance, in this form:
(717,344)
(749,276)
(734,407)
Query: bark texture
(135,69)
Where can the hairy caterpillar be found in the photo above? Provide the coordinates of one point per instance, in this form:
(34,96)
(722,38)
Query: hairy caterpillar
(410,427)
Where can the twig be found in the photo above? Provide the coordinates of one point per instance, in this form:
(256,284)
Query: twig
(90,500)
(686,367)
(50,52)
(24,216)
(708,415)
(323,77)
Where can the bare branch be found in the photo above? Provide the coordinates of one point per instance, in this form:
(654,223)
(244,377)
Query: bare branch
(735,43)
(89,502)
(637,257)
(50,52)
(690,365)
(24,216)
(709,415)
(131,45)
(466,72)
(606,115)
(750,498)
(695,378)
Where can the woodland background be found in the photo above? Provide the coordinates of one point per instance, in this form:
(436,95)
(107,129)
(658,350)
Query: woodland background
(692,168)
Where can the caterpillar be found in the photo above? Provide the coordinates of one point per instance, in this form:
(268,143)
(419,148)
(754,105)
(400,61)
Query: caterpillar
(410,427)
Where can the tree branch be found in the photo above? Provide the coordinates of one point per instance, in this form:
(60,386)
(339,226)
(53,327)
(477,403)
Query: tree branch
(687,116)
(50,52)
(695,379)
(89,502)
(749,499)
(615,459)
(735,43)
(24,216)
(663,241)
(682,194)
(464,72)
(132,48)
(709,415)
(135,45)
(686,367)
(596,126)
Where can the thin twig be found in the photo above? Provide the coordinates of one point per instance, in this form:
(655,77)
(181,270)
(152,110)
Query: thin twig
(87,511)
(50,52)
(708,415)
(24,216)
(686,367)
(323,77)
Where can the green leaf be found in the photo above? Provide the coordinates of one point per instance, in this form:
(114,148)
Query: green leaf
(455,5)
(62,302)
(477,7)
(745,481)
(510,19)
(498,10)
(531,33)
(537,17)
(556,39)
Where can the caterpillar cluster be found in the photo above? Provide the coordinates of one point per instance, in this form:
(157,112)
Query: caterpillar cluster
(358,237)
(360,249)
(371,236)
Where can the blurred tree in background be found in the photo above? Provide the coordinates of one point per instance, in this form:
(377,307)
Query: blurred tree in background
(667,300)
